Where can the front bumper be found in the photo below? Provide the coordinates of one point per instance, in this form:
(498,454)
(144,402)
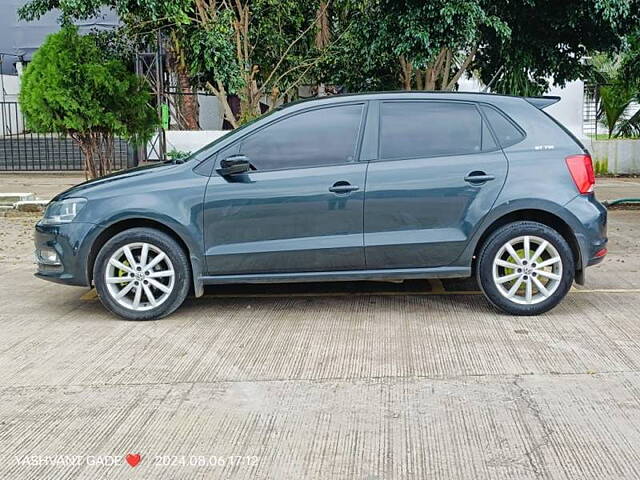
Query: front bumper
(71,243)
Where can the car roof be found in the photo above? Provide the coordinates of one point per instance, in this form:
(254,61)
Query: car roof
(417,94)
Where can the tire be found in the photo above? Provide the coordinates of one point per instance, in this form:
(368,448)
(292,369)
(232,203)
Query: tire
(163,281)
(542,281)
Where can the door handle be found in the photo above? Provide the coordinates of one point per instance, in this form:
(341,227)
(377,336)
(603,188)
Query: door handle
(478,177)
(343,187)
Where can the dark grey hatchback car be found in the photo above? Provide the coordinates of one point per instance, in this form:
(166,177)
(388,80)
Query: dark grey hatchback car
(380,186)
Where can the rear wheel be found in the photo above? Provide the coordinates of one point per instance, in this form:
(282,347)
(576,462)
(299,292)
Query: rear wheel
(525,268)
(142,274)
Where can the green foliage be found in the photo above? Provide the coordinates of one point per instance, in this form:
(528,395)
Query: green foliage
(70,86)
(275,27)
(210,52)
(630,60)
(601,166)
(418,30)
(69,9)
(526,42)
(177,154)
(516,81)
(550,39)
(381,31)
(169,11)
(616,93)
(516,45)
(116,44)
(359,61)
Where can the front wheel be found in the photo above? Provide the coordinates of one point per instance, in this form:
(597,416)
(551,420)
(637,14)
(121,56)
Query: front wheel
(525,268)
(142,274)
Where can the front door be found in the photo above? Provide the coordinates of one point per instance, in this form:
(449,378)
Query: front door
(300,209)
(438,173)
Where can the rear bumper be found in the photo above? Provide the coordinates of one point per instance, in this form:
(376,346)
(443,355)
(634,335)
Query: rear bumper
(70,243)
(598,258)
(592,234)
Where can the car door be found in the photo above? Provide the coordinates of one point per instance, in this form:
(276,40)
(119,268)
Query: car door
(300,208)
(438,172)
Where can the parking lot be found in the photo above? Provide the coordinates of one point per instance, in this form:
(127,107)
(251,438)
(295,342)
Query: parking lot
(349,380)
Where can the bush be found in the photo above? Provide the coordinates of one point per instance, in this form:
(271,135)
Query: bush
(72,87)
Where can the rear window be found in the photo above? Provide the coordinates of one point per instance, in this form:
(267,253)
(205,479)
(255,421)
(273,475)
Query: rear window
(429,129)
(506,131)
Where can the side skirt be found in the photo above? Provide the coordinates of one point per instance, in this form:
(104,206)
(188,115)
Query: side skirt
(349,275)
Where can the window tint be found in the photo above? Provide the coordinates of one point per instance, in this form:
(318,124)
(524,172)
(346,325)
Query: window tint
(507,133)
(488,142)
(426,129)
(325,136)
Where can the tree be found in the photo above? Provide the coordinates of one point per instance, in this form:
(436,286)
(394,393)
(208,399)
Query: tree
(410,43)
(254,48)
(550,41)
(73,87)
(141,19)
(274,46)
(516,46)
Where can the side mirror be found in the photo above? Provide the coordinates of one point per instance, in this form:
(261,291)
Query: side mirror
(234,165)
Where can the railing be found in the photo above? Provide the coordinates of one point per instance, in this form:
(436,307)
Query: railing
(590,110)
(21,150)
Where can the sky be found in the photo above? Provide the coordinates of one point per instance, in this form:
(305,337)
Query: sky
(23,38)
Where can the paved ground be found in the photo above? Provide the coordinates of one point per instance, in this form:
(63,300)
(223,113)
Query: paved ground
(358,380)
(42,184)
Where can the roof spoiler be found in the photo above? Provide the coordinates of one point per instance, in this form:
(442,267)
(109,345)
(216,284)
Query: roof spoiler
(542,102)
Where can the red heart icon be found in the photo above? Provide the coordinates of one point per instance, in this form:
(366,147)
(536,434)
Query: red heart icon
(132,459)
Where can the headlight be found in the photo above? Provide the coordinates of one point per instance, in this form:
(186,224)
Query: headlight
(63,211)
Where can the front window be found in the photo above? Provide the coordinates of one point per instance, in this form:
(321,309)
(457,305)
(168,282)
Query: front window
(320,137)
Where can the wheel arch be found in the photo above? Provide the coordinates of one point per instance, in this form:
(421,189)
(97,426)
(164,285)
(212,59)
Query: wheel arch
(545,217)
(141,222)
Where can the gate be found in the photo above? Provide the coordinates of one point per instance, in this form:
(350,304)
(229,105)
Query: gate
(21,150)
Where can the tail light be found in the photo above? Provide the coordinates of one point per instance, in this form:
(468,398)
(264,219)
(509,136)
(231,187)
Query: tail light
(581,170)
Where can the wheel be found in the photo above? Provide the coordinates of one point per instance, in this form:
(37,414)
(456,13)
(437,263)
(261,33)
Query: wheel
(142,274)
(525,268)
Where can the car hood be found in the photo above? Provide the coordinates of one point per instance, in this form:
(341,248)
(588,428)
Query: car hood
(113,179)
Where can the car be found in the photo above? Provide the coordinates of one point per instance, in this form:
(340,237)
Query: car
(380,186)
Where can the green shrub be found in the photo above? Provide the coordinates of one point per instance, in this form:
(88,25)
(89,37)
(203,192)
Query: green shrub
(72,87)
(177,154)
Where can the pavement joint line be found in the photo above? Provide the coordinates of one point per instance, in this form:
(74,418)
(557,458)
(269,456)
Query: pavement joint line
(441,378)
(93,295)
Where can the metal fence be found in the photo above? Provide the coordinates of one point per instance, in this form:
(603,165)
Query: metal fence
(22,150)
(590,110)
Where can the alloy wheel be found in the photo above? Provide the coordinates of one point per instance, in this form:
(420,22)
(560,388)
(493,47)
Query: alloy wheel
(527,270)
(140,276)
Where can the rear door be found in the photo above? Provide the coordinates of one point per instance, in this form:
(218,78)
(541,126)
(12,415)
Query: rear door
(437,173)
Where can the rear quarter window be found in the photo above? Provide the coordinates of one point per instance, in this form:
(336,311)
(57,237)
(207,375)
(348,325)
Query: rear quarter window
(505,130)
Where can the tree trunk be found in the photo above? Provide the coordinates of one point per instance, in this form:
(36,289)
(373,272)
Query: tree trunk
(406,73)
(97,152)
(188,102)
(250,99)
(221,94)
(419,80)
(187,109)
